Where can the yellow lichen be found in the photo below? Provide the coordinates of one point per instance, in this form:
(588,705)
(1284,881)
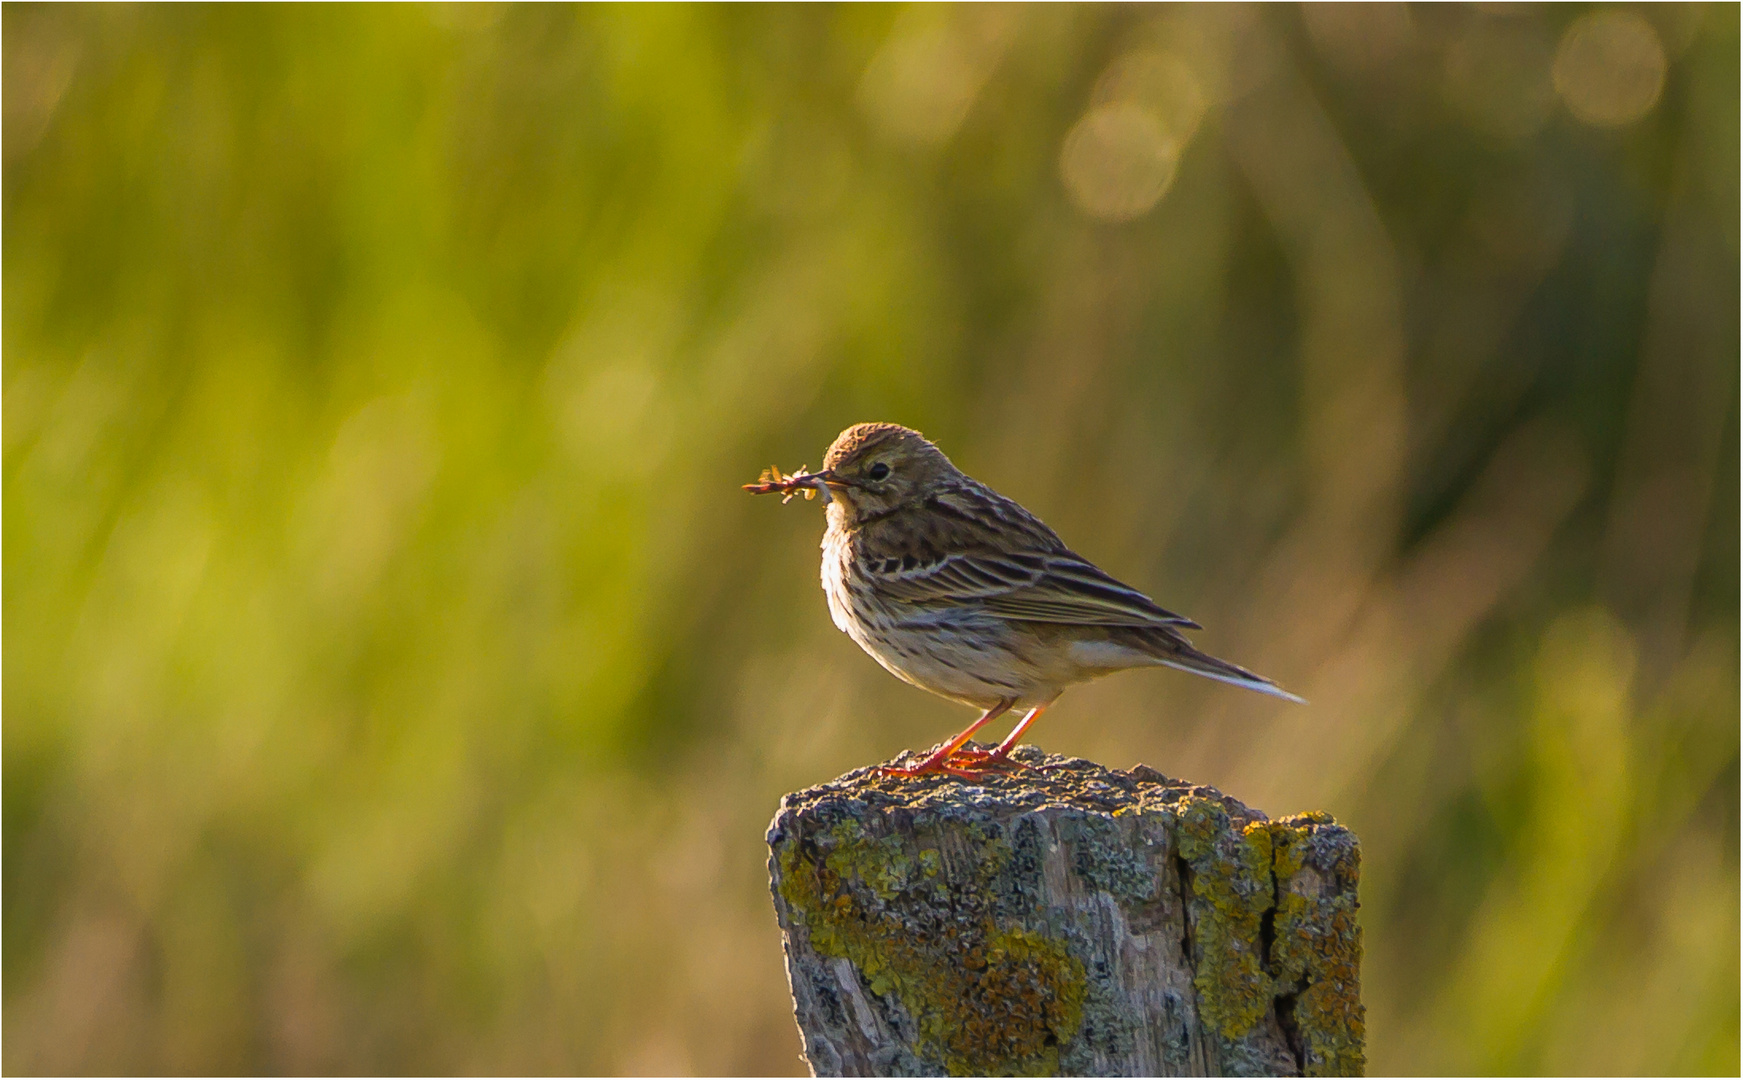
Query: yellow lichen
(985,999)
(1231,891)
(1317,948)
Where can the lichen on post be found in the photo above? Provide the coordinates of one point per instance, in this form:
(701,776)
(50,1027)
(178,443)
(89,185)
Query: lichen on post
(1065,919)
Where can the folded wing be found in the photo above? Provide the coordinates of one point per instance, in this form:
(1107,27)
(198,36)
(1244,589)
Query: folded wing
(1056,587)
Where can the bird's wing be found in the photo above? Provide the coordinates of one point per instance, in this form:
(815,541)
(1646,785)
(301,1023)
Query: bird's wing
(1056,589)
(1015,573)
(1071,589)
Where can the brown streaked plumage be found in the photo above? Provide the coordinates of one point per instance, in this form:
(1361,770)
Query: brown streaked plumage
(960,591)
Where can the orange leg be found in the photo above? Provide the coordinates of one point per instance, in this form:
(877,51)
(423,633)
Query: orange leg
(973,764)
(1003,750)
(936,761)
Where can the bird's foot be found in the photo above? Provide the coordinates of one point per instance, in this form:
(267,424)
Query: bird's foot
(963,763)
(928,768)
(981,759)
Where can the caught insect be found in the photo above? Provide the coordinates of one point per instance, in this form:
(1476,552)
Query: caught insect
(802,482)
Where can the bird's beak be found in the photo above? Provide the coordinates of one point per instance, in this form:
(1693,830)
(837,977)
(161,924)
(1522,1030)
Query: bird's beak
(824,481)
(828,476)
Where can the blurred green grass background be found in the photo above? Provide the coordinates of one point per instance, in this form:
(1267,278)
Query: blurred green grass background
(396,679)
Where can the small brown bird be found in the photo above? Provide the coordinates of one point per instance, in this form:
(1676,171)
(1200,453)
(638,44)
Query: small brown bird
(960,591)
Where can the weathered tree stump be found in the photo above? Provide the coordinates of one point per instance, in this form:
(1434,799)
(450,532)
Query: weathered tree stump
(1065,919)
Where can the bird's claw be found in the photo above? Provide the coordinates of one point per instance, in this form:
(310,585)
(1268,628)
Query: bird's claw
(964,764)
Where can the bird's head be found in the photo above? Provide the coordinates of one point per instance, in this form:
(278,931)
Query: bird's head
(876,468)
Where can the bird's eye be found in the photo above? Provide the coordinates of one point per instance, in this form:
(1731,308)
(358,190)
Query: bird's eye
(878,471)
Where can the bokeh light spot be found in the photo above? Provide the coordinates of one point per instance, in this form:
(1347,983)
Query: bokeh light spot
(1160,82)
(1609,68)
(1359,38)
(1118,161)
(919,86)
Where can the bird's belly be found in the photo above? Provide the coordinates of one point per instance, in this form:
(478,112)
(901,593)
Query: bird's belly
(967,660)
(969,667)
(962,654)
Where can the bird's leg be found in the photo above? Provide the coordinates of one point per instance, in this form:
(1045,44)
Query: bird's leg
(936,761)
(1003,750)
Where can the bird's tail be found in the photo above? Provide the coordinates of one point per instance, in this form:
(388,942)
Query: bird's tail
(1175,651)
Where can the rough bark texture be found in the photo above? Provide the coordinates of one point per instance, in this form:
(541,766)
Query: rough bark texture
(1068,919)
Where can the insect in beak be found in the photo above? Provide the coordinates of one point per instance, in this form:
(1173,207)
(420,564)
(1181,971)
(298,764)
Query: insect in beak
(801,482)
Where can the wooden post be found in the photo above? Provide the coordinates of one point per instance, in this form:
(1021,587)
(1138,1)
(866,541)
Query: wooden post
(1067,919)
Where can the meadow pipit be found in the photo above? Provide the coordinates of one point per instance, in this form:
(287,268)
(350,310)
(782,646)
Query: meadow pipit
(960,591)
